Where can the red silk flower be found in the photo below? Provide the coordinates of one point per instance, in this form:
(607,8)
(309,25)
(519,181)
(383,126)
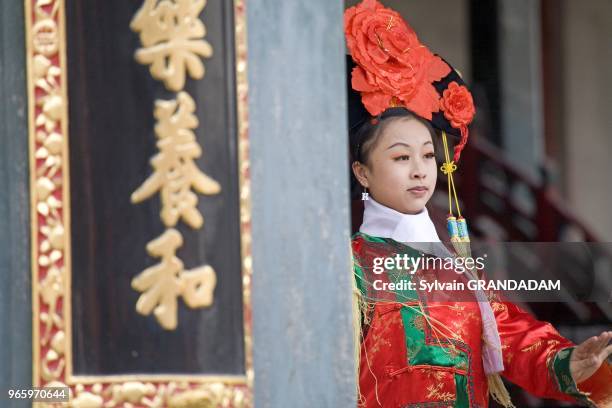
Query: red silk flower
(458,107)
(393,67)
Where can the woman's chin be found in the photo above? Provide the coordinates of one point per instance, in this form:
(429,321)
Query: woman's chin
(412,209)
(414,206)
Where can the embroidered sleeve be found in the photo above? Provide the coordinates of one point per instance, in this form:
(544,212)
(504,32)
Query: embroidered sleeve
(529,349)
(596,391)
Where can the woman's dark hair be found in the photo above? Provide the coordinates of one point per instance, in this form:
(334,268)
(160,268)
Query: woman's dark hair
(364,136)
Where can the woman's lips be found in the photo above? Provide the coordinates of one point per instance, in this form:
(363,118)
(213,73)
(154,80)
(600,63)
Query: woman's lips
(418,190)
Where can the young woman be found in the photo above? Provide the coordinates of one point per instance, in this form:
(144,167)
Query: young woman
(420,348)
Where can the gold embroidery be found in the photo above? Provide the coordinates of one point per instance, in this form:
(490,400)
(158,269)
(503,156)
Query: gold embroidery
(457,308)
(563,354)
(451,350)
(462,325)
(549,359)
(434,392)
(498,307)
(492,296)
(419,322)
(435,374)
(378,342)
(533,347)
(567,380)
(379,330)
(459,327)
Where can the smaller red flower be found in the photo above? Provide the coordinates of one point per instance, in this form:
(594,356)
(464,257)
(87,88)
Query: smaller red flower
(458,105)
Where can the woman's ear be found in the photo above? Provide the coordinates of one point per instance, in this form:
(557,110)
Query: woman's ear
(360,172)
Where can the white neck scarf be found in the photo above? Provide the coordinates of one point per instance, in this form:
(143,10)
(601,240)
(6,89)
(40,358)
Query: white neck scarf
(380,220)
(418,229)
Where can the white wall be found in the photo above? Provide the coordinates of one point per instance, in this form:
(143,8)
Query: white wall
(587,65)
(520,60)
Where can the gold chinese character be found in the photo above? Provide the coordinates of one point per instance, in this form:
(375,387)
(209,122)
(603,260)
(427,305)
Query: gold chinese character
(175,171)
(172,36)
(163,283)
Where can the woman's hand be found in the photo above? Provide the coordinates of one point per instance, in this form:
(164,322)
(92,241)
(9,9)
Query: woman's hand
(588,356)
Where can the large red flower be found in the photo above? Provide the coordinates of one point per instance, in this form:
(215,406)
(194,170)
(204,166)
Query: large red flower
(393,67)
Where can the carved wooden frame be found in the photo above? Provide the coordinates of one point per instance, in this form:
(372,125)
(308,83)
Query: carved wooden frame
(51,243)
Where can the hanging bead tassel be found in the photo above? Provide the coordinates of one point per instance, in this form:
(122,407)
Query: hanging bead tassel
(464,236)
(453,230)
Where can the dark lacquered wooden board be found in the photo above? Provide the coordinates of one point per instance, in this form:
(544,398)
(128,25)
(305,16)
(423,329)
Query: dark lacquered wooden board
(111,140)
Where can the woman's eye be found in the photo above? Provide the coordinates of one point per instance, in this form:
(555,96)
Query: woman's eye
(404,157)
(430,155)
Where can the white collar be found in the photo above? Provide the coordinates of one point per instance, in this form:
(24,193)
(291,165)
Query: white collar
(382,221)
(417,229)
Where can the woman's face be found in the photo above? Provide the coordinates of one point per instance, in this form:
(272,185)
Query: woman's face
(401,171)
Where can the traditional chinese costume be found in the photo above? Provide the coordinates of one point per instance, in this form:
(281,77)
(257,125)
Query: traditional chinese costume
(419,352)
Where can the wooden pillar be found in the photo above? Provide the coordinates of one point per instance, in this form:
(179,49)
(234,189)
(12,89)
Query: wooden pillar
(303,350)
(15,292)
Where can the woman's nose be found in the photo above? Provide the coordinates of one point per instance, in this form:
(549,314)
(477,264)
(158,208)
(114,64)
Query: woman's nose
(417,171)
